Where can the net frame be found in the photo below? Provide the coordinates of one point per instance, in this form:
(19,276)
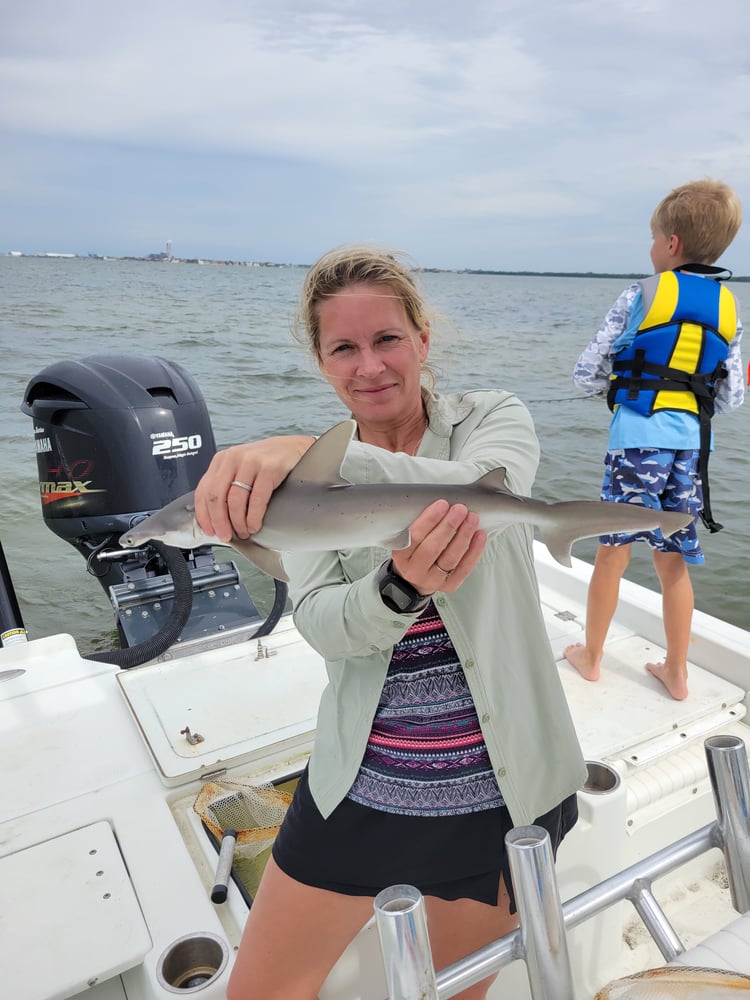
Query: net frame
(254,811)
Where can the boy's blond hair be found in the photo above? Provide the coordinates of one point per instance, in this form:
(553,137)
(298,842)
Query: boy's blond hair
(706,216)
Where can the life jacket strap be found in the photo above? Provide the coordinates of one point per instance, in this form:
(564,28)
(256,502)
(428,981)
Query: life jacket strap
(703,387)
(705,413)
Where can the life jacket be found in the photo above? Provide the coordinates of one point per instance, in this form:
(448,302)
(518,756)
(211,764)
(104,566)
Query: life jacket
(677,355)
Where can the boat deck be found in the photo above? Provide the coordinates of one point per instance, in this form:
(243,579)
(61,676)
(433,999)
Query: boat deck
(85,744)
(628,714)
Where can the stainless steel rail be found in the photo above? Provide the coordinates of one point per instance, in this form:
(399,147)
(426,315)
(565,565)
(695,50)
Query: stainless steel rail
(542,930)
(402,928)
(730,781)
(540,939)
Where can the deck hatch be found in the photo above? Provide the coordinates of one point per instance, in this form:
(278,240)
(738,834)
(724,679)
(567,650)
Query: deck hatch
(242,704)
(73,895)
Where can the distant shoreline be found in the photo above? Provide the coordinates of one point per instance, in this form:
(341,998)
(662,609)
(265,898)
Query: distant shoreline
(164,259)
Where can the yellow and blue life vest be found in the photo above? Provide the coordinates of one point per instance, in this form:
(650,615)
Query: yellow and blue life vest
(677,355)
(678,351)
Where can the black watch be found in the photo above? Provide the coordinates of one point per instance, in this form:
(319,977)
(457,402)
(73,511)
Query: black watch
(398,594)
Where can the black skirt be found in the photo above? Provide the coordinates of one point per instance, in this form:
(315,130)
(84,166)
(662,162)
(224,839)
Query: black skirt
(358,851)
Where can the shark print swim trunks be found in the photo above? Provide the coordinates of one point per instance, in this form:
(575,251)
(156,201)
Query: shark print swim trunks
(659,479)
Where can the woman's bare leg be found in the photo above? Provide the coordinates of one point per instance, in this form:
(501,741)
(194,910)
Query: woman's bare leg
(458,927)
(293,937)
(295,934)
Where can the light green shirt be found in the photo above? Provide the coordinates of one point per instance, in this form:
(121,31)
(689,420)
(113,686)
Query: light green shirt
(494,619)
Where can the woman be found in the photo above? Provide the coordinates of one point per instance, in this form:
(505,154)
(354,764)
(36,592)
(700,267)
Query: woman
(444,723)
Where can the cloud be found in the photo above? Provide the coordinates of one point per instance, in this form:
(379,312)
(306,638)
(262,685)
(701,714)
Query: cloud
(331,91)
(355,116)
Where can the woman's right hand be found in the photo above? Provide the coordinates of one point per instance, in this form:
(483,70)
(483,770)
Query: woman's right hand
(222,509)
(446,545)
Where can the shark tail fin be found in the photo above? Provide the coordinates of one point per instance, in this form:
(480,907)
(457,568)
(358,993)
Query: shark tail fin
(672,521)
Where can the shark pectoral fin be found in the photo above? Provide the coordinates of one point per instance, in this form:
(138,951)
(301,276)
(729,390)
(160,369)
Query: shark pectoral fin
(559,544)
(267,560)
(402,540)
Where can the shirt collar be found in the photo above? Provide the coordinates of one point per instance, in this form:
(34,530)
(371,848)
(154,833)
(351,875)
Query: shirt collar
(444,412)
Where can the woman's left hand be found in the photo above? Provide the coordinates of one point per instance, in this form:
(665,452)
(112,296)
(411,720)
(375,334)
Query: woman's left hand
(446,545)
(233,493)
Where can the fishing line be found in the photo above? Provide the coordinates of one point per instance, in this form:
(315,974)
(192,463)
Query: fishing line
(559,399)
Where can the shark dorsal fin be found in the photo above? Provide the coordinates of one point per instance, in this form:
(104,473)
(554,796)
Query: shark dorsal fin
(495,481)
(321,463)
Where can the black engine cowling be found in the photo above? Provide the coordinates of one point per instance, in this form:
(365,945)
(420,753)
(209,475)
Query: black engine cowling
(118,436)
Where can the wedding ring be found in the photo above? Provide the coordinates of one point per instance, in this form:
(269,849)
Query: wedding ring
(447,572)
(242,486)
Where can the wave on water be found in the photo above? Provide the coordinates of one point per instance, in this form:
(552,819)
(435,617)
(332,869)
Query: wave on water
(231,329)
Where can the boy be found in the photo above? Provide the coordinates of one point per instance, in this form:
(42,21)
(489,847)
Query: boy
(667,355)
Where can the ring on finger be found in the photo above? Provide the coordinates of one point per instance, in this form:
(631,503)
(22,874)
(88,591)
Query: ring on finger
(242,486)
(447,572)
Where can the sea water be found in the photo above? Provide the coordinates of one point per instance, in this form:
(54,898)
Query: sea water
(230,327)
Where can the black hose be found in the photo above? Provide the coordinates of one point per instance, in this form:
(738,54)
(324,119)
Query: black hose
(281,591)
(150,649)
(134,656)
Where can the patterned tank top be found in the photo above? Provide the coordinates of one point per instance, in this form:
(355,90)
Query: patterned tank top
(426,755)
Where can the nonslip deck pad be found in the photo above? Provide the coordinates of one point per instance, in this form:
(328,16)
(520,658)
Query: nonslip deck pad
(628,707)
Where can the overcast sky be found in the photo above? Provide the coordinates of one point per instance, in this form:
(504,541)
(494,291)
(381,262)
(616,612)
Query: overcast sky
(499,134)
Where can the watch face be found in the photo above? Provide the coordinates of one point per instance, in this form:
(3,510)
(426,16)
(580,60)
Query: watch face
(394,596)
(398,594)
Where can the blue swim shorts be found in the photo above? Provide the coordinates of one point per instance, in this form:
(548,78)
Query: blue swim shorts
(666,480)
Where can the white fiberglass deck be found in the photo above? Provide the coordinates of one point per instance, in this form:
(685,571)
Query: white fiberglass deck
(85,744)
(629,714)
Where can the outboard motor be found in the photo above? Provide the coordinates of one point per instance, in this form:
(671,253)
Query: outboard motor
(117,437)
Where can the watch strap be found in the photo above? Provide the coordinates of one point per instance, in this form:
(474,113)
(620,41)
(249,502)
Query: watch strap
(397,593)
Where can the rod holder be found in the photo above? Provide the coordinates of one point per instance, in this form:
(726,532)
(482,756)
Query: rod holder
(730,782)
(655,920)
(542,926)
(12,628)
(405,944)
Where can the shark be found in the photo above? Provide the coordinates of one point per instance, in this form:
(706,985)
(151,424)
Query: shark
(315,509)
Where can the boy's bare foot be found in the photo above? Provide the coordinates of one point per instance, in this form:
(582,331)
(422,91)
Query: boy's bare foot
(675,681)
(579,657)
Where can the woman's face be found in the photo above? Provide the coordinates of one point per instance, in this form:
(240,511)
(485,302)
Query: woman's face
(372,354)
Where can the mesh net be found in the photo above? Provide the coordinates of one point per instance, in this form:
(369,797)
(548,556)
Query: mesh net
(677,983)
(254,811)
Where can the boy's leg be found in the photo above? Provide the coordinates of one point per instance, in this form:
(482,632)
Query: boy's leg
(604,589)
(672,557)
(677,605)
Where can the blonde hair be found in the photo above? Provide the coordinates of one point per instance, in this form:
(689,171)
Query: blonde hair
(706,216)
(358,264)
